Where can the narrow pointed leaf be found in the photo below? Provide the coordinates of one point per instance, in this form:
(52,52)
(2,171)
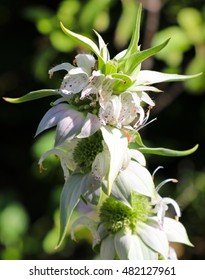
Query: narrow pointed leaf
(136,58)
(148,77)
(167,152)
(84,41)
(32,96)
(103,47)
(133,46)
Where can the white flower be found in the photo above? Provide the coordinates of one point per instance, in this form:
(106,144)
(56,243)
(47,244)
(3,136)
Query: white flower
(77,77)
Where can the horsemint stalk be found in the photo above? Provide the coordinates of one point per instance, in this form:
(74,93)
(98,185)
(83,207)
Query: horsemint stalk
(101,104)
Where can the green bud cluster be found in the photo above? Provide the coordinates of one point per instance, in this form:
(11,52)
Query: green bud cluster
(116,215)
(86,151)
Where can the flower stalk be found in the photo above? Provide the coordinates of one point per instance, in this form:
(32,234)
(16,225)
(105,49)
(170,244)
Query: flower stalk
(100,106)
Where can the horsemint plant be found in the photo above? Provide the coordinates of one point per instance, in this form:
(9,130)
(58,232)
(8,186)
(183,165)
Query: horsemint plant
(100,106)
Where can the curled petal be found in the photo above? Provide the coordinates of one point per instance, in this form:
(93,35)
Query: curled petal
(63,66)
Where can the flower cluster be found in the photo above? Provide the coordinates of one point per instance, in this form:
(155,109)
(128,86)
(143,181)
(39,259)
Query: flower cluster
(101,105)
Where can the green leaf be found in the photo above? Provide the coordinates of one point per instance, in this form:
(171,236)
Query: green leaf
(122,83)
(167,152)
(103,47)
(86,42)
(32,96)
(131,62)
(133,46)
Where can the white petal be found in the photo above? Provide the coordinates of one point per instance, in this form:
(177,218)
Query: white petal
(110,111)
(86,62)
(75,81)
(53,116)
(90,126)
(140,251)
(107,249)
(145,97)
(136,178)
(69,126)
(122,243)
(100,166)
(138,156)
(175,231)
(117,145)
(154,238)
(63,66)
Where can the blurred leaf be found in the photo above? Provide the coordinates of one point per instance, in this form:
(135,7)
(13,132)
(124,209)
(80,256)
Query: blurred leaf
(68,10)
(126,22)
(61,42)
(196,85)
(191,20)
(13,223)
(37,12)
(178,44)
(91,11)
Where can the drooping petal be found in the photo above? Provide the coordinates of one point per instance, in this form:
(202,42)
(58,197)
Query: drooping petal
(117,146)
(154,238)
(69,126)
(63,66)
(175,231)
(52,117)
(107,249)
(90,126)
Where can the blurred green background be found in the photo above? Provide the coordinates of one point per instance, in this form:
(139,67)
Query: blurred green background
(31,43)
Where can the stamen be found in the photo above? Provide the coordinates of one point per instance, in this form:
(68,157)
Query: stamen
(164,182)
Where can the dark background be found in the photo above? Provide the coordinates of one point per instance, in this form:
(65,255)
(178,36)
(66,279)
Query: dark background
(29,46)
